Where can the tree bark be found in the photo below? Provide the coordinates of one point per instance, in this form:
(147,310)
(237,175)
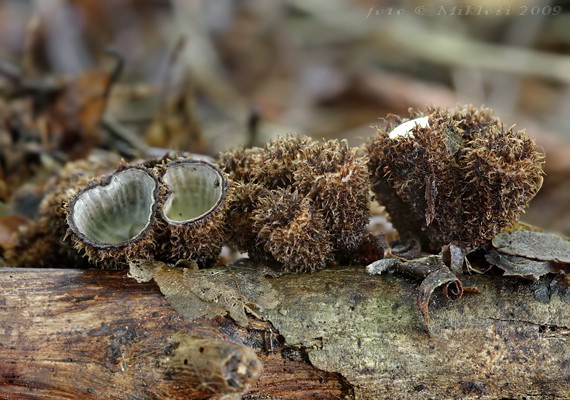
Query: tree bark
(337,333)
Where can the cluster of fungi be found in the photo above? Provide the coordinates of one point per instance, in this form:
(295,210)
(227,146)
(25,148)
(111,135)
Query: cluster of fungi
(444,177)
(300,202)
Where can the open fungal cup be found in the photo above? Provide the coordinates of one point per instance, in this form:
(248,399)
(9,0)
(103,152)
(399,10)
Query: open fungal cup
(113,218)
(197,189)
(132,215)
(193,210)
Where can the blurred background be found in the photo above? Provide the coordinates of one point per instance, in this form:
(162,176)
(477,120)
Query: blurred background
(137,76)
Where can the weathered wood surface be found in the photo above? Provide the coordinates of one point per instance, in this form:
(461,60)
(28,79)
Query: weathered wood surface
(338,333)
(100,335)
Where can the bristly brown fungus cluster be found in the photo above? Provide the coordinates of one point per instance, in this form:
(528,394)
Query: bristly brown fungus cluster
(444,177)
(168,210)
(459,176)
(300,202)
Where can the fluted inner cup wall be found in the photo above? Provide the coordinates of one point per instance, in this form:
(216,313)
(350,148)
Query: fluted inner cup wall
(117,212)
(196,189)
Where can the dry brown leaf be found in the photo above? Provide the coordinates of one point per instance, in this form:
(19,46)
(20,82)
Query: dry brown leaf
(73,120)
(214,291)
(520,266)
(536,245)
(9,226)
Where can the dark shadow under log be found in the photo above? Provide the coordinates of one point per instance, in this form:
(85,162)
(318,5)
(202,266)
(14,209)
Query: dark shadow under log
(338,333)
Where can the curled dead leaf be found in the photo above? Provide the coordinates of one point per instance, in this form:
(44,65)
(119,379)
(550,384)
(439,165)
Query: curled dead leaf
(441,276)
(435,274)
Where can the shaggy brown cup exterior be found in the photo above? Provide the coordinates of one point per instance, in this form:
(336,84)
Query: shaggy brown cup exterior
(293,231)
(464,177)
(323,186)
(336,179)
(192,211)
(113,219)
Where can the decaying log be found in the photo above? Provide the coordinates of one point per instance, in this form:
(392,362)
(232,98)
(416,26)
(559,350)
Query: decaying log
(100,335)
(337,333)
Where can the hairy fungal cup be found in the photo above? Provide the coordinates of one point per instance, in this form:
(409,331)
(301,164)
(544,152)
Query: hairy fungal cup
(169,209)
(293,231)
(337,181)
(301,202)
(458,176)
(271,166)
(193,210)
(112,220)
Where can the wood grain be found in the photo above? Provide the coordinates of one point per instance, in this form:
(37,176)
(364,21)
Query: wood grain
(337,333)
(70,334)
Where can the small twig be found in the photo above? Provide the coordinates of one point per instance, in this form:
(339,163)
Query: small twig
(118,68)
(253,120)
(122,134)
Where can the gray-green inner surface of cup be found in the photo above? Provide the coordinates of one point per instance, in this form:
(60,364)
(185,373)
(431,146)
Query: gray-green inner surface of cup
(196,190)
(117,212)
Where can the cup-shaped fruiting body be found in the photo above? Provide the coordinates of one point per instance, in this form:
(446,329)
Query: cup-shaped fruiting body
(459,176)
(278,161)
(336,179)
(193,210)
(328,175)
(113,219)
(293,231)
